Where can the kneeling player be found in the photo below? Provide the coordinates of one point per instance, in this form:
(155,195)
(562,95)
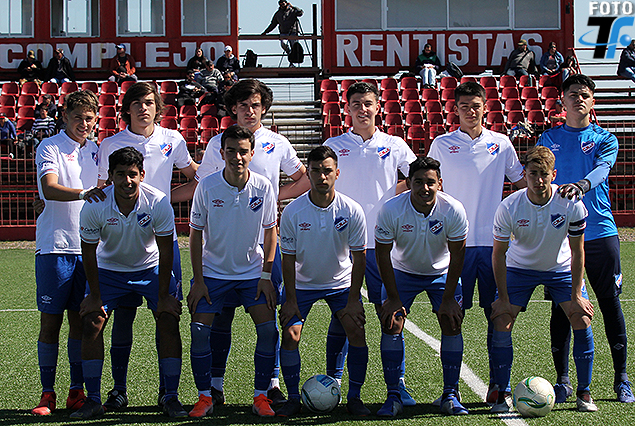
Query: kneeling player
(133,228)
(428,230)
(318,231)
(540,253)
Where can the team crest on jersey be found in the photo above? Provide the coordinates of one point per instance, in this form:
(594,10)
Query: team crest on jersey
(344,152)
(112,221)
(95,158)
(454,149)
(166,149)
(407,227)
(268,147)
(522,223)
(304,226)
(436,226)
(341,223)
(557,220)
(587,146)
(255,203)
(383,152)
(492,148)
(618,281)
(218,202)
(144,219)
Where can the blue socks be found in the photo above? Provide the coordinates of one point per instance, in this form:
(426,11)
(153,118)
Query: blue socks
(502,356)
(47,359)
(336,348)
(357,364)
(451,358)
(221,335)
(583,349)
(392,350)
(171,368)
(265,356)
(201,355)
(92,376)
(121,345)
(75,361)
(290,364)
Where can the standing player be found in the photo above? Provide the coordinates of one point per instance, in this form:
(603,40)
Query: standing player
(427,230)
(162,150)
(247,102)
(474,164)
(320,233)
(127,249)
(547,249)
(369,160)
(228,210)
(67,174)
(585,154)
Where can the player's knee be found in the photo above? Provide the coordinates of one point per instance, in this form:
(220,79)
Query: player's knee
(223,321)
(503,322)
(395,328)
(50,326)
(267,336)
(291,338)
(579,321)
(200,337)
(356,336)
(93,324)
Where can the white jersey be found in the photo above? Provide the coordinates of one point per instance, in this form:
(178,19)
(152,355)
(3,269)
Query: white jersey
(163,150)
(57,228)
(127,244)
(540,232)
(321,239)
(368,170)
(231,221)
(421,242)
(473,172)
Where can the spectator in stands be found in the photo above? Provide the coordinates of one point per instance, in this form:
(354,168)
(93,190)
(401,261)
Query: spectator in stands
(286,18)
(228,62)
(8,134)
(558,115)
(197,62)
(211,79)
(48,104)
(551,61)
(626,68)
(30,69)
(59,69)
(189,90)
(43,126)
(226,84)
(569,67)
(60,124)
(122,66)
(522,61)
(427,66)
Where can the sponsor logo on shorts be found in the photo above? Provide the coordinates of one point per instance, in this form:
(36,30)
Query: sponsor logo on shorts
(454,149)
(166,149)
(436,226)
(341,223)
(46,299)
(144,219)
(268,147)
(492,148)
(344,152)
(618,281)
(522,223)
(407,227)
(383,152)
(112,221)
(218,203)
(557,220)
(255,203)
(304,226)
(587,146)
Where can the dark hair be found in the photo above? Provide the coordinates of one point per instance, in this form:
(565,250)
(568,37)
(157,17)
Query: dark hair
(321,153)
(243,90)
(81,99)
(469,88)
(135,93)
(424,163)
(580,79)
(239,133)
(127,156)
(361,87)
(570,61)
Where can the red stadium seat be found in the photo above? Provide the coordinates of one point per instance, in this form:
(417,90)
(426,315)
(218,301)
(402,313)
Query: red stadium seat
(190,136)
(103,134)
(11,88)
(169,123)
(488,81)
(188,111)
(24,124)
(331,108)
(416,137)
(122,124)
(169,111)
(550,103)
(412,106)
(465,79)
(413,119)
(495,117)
(8,111)
(26,100)
(396,131)
(168,98)
(513,117)
(452,119)
(209,122)
(209,109)
(408,83)
(447,94)
(226,122)
(348,122)
(547,81)
(68,87)
(7,101)
(448,83)
(513,105)
(188,123)
(510,93)
(526,81)
(393,120)
(533,105)
(328,84)
(449,106)
(26,112)
(107,123)
(126,85)
(90,85)
(529,93)
(30,88)
(498,127)
(329,131)
(389,83)
(371,81)
(107,112)
(109,87)
(333,120)
(207,134)
(507,81)
(435,118)
(433,106)
(330,96)
(549,92)
(494,105)
(49,88)
(436,130)
(344,85)
(536,118)
(410,95)
(429,94)
(390,95)
(392,107)
(168,86)
(107,99)
(491,93)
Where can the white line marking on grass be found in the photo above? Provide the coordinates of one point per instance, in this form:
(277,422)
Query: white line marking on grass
(18,310)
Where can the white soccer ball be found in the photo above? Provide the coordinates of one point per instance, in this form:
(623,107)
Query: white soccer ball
(321,393)
(534,397)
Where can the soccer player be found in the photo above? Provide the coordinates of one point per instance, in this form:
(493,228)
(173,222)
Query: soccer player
(369,160)
(247,102)
(547,248)
(228,210)
(474,164)
(127,249)
(67,174)
(420,244)
(585,154)
(162,150)
(320,232)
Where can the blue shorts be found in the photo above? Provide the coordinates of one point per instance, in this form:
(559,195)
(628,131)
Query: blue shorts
(218,290)
(61,282)
(116,287)
(336,299)
(374,285)
(602,265)
(478,265)
(522,282)
(411,285)
(233,301)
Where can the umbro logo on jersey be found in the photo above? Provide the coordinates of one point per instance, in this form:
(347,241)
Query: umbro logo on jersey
(383,152)
(522,223)
(436,226)
(268,147)
(555,147)
(344,152)
(166,149)
(341,223)
(492,148)
(218,203)
(112,221)
(304,226)
(587,146)
(557,220)
(454,149)
(407,227)
(144,219)
(255,203)
(46,299)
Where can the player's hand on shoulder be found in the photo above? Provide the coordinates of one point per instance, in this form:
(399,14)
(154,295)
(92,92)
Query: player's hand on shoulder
(266,287)
(198,291)
(570,191)
(170,305)
(288,310)
(95,194)
(92,304)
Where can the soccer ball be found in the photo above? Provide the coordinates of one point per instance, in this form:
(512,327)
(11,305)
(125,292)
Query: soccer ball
(321,393)
(534,397)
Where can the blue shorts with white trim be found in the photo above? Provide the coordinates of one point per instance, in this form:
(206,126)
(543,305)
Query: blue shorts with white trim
(245,290)
(522,282)
(61,282)
(410,286)
(336,299)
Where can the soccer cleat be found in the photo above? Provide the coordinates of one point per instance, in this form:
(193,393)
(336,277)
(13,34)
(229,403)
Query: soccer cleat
(584,402)
(46,405)
(75,399)
(116,400)
(203,407)
(391,408)
(562,391)
(89,410)
(276,396)
(492,394)
(161,398)
(406,399)
(503,404)
(356,407)
(218,397)
(452,406)
(624,392)
(262,406)
(291,408)
(173,408)
(437,402)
